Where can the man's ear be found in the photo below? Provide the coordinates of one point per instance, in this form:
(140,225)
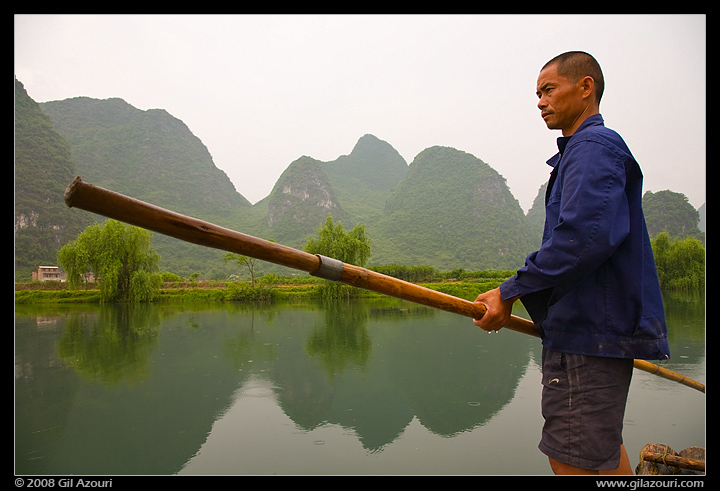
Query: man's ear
(587,83)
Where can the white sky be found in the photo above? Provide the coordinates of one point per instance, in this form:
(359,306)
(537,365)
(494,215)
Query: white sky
(261,91)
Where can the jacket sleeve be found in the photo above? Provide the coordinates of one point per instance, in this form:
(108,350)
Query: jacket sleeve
(592,213)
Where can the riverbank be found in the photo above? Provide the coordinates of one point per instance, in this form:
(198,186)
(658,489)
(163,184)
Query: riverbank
(54,292)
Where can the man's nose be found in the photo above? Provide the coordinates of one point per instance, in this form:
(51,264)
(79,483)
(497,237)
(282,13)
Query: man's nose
(542,103)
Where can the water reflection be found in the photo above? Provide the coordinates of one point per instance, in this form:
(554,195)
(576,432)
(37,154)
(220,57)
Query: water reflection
(112,346)
(341,340)
(155,389)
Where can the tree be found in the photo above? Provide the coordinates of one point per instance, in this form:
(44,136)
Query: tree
(680,263)
(246,261)
(121,258)
(249,262)
(332,241)
(670,212)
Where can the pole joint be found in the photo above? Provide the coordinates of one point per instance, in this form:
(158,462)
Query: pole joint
(330,269)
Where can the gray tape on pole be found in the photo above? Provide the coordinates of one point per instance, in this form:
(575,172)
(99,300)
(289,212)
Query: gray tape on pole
(330,269)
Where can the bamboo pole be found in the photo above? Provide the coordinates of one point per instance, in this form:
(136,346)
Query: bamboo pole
(114,205)
(670,460)
(646,366)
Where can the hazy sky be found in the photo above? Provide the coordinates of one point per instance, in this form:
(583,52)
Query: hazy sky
(261,91)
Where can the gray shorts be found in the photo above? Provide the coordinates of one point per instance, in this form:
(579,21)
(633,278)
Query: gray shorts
(583,403)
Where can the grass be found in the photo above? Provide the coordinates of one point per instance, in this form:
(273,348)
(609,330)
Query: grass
(268,288)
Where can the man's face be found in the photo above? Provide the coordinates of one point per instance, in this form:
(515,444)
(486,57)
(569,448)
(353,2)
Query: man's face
(562,104)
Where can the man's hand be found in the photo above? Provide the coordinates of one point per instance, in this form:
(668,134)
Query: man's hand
(498,310)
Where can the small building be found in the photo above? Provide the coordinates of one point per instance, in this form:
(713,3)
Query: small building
(49,273)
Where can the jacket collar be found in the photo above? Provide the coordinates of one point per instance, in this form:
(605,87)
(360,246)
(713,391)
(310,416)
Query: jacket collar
(594,120)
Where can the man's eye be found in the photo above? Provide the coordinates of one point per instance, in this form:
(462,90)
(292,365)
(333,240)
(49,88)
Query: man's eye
(545,91)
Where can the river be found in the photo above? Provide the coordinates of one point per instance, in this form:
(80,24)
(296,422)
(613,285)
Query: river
(358,387)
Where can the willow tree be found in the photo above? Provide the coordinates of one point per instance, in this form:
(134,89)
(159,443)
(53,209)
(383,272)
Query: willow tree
(119,255)
(351,247)
(680,262)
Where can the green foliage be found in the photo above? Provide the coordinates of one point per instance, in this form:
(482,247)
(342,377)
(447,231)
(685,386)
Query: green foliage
(168,277)
(143,286)
(30,297)
(667,211)
(352,247)
(121,258)
(244,292)
(248,262)
(412,274)
(680,263)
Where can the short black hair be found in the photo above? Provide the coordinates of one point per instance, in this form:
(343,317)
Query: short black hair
(574,65)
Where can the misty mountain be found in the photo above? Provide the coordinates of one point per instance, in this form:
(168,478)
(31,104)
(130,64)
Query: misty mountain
(446,209)
(668,211)
(451,210)
(535,218)
(43,167)
(364,179)
(152,156)
(149,155)
(301,200)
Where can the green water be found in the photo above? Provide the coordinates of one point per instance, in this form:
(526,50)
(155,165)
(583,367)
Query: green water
(356,387)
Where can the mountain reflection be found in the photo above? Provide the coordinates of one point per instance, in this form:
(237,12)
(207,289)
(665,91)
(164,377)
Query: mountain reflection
(139,389)
(424,364)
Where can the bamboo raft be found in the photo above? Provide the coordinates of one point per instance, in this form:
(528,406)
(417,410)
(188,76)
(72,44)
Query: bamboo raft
(658,459)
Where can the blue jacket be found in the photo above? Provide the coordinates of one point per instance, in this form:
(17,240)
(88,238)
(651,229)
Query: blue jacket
(592,287)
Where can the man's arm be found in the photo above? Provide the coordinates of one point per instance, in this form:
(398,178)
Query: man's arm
(592,221)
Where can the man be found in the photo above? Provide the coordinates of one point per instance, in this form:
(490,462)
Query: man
(591,289)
